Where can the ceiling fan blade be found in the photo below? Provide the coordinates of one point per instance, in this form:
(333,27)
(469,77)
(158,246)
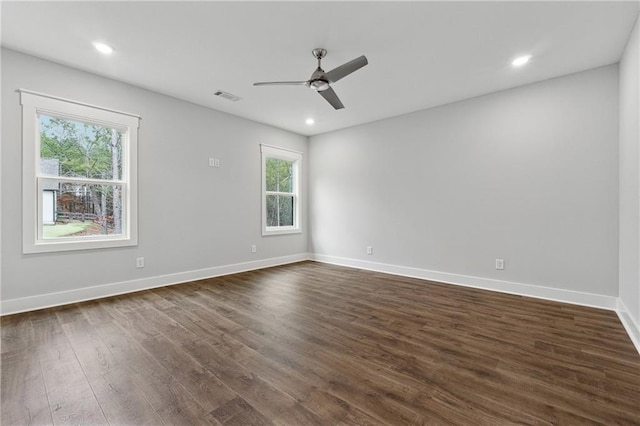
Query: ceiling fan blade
(332,98)
(346,69)
(282,83)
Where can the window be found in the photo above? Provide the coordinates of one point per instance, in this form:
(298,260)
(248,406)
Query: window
(280,190)
(79,175)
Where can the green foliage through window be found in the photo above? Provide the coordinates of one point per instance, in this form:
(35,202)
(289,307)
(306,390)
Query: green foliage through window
(279,175)
(83,150)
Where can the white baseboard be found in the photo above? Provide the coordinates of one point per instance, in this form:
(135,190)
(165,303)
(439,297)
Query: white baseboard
(23,304)
(630,325)
(558,295)
(548,293)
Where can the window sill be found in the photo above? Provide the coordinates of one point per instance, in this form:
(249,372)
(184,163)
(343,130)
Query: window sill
(57,246)
(280,231)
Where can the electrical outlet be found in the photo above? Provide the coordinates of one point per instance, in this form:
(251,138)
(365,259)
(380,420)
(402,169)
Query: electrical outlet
(216,162)
(212,162)
(254,248)
(369,250)
(139,262)
(500,264)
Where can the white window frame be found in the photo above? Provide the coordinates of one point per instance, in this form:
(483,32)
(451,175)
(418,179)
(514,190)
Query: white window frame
(268,151)
(36,104)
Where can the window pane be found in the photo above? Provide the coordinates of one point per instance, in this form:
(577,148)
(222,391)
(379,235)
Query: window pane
(74,149)
(285,204)
(272,210)
(76,210)
(279,175)
(279,210)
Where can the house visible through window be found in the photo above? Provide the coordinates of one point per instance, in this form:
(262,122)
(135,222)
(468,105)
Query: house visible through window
(83,174)
(280,190)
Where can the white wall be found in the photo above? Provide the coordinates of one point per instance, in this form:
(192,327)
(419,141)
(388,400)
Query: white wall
(191,216)
(630,180)
(528,174)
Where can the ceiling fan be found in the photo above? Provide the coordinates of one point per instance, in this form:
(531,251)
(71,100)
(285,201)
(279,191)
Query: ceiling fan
(320,81)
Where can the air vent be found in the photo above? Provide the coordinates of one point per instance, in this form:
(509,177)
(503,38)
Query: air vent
(228,96)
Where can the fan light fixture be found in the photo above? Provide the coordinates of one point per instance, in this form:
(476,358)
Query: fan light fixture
(103,48)
(520,61)
(319,85)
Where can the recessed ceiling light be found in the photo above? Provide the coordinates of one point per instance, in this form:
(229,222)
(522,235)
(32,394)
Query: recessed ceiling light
(310,121)
(520,61)
(105,49)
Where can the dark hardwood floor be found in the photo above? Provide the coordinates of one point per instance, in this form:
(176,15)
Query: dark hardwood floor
(309,344)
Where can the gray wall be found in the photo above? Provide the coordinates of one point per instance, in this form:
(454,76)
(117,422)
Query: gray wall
(630,175)
(528,174)
(191,216)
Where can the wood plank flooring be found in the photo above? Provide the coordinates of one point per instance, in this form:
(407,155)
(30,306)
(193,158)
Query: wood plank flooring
(310,344)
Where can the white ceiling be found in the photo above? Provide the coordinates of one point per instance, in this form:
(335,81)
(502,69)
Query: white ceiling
(421,54)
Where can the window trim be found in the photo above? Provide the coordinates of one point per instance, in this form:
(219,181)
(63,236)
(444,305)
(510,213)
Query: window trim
(35,104)
(269,151)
